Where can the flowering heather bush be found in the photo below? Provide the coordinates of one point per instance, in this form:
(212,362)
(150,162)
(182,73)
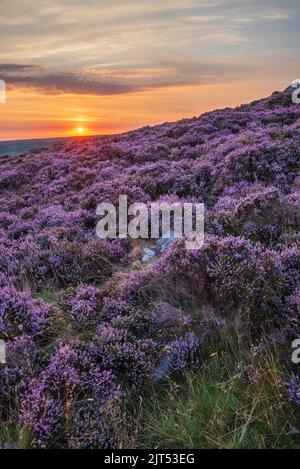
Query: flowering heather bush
(41,415)
(72,370)
(263,214)
(228,273)
(292,319)
(96,335)
(19,314)
(85,307)
(293,389)
(119,350)
(290,258)
(23,363)
(71,377)
(59,262)
(93,425)
(185,352)
(3,280)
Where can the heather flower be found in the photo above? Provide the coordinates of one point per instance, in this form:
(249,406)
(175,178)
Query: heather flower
(72,370)
(291,319)
(19,314)
(85,307)
(92,425)
(41,415)
(293,389)
(3,280)
(23,362)
(127,356)
(185,352)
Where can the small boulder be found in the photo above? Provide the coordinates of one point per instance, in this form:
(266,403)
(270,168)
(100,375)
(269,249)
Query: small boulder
(167,315)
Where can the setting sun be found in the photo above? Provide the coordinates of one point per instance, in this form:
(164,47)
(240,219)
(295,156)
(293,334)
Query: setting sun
(80,130)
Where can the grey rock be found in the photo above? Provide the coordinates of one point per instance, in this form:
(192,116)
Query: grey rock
(148,254)
(158,247)
(168,315)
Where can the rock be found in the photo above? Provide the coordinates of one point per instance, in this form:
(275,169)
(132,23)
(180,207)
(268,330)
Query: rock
(10,445)
(162,243)
(163,368)
(158,247)
(296,184)
(148,254)
(167,315)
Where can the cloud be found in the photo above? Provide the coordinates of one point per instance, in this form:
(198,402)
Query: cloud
(60,83)
(19,69)
(116,47)
(102,81)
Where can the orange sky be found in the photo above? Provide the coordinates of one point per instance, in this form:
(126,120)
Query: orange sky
(34,115)
(118,65)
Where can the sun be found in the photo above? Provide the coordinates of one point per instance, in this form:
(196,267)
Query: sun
(80,130)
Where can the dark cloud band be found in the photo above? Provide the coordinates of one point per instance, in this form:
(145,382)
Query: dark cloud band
(98,82)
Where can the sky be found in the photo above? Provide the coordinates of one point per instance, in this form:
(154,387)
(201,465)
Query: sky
(107,66)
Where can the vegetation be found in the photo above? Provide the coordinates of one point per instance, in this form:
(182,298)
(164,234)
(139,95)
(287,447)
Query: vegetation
(89,327)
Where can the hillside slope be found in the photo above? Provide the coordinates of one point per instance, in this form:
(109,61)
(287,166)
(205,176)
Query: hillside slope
(88,327)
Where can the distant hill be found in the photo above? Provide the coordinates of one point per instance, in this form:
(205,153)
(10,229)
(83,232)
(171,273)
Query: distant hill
(16,147)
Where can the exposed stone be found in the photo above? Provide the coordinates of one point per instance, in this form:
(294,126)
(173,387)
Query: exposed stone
(296,184)
(158,247)
(167,315)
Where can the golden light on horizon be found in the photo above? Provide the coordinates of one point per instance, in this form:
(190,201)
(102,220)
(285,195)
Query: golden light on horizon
(80,130)
(45,116)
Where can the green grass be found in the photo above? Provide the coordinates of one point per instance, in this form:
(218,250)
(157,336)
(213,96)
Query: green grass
(220,407)
(49,295)
(236,399)
(15,438)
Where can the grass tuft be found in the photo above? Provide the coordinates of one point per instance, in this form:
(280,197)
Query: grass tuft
(236,400)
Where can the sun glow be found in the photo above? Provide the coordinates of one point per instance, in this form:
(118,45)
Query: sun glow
(80,130)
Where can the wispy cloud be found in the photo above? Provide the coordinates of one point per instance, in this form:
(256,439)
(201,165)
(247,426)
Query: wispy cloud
(120,79)
(109,58)
(66,37)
